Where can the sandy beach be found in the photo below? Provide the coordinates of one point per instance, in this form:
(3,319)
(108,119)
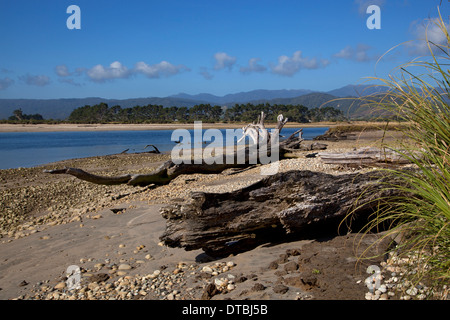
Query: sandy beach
(51,222)
(5,127)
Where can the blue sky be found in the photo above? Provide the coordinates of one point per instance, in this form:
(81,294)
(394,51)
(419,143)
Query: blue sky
(130,49)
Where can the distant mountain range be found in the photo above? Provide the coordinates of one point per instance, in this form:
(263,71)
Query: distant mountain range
(61,108)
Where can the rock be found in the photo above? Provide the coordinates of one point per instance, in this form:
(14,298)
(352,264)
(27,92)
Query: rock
(219,282)
(207,269)
(258,287)
(292,252)
(282,259)
(241,279)
(279,288)
(23,283)
(291,266)
(412,291)
(100,277)
(230,264)
(125,266)
(273,265)
(60,286)
(117,210)
(210,291)
(142,292)
(93,285)
(309,281)
(230,287)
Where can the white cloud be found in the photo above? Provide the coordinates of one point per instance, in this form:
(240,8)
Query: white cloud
(253,66)
(427,30)
(115,70)
(345,53)
(223,61)
(163,68)
(288,66)
(359,54)
(62,70)
(5,83)
(38,80)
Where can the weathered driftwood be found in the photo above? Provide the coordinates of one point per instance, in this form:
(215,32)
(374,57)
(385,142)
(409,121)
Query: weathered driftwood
(289,203)
(155,149)
(364,156)
(170,170)
(336,136)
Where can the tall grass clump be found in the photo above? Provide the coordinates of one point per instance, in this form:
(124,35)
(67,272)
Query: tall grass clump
(419,96)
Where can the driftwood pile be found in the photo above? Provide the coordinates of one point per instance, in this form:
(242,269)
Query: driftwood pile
(282,205)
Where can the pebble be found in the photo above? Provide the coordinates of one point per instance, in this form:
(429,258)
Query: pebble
(60,286)
(279,288)
(412,291)
(399,269)
(207,269)
(124,266)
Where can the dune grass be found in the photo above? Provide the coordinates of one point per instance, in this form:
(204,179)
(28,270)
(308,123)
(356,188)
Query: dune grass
(421,214)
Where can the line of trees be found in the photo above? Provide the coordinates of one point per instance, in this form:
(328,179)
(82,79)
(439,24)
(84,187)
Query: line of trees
(18,115)
(101,113)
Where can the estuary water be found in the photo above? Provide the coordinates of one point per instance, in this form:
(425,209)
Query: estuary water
(29,149)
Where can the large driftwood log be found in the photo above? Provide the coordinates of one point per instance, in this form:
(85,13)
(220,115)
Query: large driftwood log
(170,170)
(364,156)
(284,204)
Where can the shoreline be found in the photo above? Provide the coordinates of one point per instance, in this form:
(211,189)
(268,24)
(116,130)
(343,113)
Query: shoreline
(68,127)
